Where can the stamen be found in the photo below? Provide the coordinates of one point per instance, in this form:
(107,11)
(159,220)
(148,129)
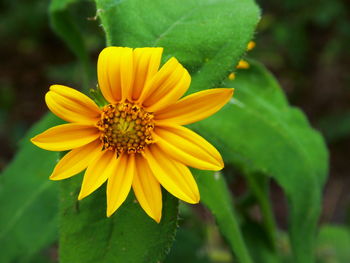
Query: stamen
(125,128)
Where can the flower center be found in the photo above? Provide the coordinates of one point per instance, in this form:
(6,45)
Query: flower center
(125,127)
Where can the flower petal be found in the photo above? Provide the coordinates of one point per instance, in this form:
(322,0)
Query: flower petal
(147,189)
(175,177)
(99,170)
(72,105)
(146,64)
(115,73)
(127,73)
(66,136)
(195,107)
(166,87)
(188,148)
(119,184)
(76,161)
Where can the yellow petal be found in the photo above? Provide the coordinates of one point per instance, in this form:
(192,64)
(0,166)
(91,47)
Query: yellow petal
(115,73)
(188,148)
(175,177)
(99,170)
(119,184)
(147,189)
(76,161)
(66,136)
(166,87)
(195,107)
(127,73)
(72,105)
(146,64)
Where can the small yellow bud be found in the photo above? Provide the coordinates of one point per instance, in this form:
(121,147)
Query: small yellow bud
(251,45)
(242,64)
(232,76)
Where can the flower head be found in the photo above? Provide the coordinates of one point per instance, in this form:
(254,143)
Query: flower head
(137,140)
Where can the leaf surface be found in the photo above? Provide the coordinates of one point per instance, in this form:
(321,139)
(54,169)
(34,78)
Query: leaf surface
(87,235)
(28,200)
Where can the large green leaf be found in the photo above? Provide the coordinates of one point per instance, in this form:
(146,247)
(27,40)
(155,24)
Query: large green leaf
(261,134)
(28,200)
(129,236)
(207,36)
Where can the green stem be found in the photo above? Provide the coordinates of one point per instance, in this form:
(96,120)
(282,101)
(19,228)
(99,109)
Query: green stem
(216,196)
(260,188)
(238,243)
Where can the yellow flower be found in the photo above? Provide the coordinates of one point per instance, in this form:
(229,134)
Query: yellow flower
(137,140)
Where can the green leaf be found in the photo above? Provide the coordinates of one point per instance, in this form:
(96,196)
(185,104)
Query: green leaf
(129,236)
(333,244)
(63,23)
(260,133)
(215,196)
(28,200)
(208,37)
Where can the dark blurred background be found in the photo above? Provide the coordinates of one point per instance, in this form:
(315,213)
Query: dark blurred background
(304,43)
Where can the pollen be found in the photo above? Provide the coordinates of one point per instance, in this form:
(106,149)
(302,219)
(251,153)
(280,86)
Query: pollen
(125,128)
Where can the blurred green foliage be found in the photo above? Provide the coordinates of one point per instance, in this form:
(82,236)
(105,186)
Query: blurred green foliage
(28,204)
(130,235)
(304,42)
(333,244)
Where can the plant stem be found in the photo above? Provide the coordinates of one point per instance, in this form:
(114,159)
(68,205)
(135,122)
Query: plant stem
(260,188)
(216,196)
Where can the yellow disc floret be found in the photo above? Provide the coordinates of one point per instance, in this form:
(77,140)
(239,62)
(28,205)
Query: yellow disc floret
(125,128)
